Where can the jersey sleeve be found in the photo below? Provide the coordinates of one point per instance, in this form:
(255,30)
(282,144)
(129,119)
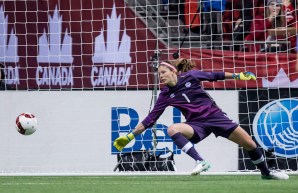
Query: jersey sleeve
(159,107)
(209,76)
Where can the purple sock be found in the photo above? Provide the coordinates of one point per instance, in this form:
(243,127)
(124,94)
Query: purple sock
(258,159)
(186,146)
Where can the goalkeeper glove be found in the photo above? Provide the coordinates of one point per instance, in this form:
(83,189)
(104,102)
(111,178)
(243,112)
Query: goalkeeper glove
(244,76)
(122,141)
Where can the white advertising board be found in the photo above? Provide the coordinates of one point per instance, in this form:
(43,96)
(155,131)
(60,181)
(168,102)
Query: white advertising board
(74,132)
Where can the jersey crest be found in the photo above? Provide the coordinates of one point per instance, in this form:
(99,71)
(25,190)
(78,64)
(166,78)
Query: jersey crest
(188,84)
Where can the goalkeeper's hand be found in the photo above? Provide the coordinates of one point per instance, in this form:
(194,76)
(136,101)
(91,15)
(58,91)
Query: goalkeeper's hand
(122,141)
(245,76)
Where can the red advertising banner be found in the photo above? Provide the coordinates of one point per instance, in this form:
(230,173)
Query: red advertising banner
(74,45)
(87,44)
(273,70)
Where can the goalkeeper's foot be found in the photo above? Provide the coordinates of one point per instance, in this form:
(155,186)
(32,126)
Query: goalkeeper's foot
(275,176)
(201,166)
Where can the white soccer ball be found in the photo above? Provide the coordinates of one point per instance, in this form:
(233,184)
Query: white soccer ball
(26,123)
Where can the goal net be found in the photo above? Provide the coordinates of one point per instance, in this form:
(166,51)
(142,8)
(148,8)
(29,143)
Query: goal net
(87,70)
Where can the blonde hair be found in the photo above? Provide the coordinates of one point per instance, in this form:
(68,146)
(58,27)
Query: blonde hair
(184,65)
(180,65)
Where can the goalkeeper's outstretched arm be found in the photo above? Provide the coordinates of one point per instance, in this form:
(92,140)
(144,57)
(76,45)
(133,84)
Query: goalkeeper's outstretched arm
(122,141)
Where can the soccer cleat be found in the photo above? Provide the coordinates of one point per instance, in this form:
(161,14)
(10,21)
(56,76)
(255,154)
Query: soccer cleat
(275,176)
(201,166)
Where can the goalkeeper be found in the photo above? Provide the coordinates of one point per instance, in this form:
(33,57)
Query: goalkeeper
(183,90)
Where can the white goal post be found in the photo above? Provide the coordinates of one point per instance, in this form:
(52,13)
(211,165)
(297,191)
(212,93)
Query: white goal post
(86,70)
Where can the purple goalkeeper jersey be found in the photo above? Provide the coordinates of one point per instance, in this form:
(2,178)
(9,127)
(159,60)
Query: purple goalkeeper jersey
(188,96)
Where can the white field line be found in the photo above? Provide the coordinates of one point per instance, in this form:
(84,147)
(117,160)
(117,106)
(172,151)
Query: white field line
(139,173)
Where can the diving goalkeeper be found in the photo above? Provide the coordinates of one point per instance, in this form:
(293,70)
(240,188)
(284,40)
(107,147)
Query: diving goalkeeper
(183,90)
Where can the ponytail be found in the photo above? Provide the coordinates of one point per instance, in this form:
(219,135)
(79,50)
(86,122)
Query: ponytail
(184,65)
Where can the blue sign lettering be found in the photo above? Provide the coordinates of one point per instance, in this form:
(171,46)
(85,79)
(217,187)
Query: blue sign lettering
(144,140)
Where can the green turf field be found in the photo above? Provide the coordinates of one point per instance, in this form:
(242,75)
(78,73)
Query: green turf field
(147,184)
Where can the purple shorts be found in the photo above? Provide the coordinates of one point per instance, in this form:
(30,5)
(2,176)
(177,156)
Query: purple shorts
(219,124)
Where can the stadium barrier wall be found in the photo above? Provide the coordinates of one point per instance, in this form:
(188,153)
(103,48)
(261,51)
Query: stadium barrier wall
(74,133)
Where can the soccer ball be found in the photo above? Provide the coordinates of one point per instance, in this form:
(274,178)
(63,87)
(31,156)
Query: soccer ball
(26,123)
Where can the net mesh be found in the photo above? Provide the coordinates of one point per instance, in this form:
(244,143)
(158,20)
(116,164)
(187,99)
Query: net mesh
(115,46)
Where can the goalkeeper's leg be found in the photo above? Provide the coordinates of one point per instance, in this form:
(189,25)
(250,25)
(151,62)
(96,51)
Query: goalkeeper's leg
(241,137)
(180,134)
